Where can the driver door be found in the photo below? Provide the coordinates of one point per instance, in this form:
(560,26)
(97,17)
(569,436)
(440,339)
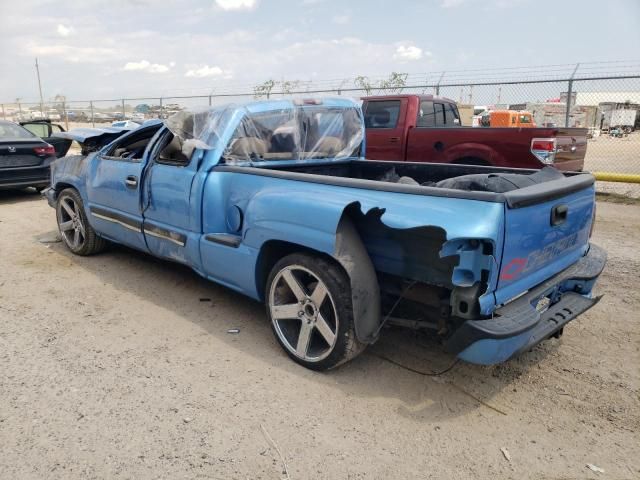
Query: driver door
(114,187)
(170,217)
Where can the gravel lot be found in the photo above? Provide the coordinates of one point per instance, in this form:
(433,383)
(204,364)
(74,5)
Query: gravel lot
(120,366)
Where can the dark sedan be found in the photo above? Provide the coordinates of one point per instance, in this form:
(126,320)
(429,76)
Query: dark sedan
(24,158)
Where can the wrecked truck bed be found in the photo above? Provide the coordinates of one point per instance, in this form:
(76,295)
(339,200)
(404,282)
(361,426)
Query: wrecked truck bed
(275,200)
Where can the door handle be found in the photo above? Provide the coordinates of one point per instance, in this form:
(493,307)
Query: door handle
(394,139)
(559,215)
(131,181)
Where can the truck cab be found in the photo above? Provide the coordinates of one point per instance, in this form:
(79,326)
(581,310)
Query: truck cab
(511,119)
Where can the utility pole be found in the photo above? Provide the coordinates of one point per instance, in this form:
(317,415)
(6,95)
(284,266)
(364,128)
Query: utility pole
(40,88)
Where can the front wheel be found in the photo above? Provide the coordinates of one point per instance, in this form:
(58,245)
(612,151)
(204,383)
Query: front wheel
(308,300)
(74,227)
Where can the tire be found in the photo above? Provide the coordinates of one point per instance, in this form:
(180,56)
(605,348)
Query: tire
(308,300)
(75,230)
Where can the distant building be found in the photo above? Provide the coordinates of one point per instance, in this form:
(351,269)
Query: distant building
(596,98)
(553,114)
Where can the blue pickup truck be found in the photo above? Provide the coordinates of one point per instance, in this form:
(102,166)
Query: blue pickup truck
(276,200)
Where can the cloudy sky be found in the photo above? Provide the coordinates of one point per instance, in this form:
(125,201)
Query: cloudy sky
(112,48)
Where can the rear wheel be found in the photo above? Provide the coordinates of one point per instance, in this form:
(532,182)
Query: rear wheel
(308,301)
(74,228)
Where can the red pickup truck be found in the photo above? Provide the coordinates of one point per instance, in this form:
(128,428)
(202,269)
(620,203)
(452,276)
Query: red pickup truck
(426,128)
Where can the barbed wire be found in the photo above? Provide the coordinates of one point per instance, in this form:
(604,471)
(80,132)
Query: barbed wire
(449,78)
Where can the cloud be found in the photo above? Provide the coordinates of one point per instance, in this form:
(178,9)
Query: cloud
(341,19)
(64,31)
(146,66)
(236,4)
(71,53)
(408,53)
(451,3)
(207,71)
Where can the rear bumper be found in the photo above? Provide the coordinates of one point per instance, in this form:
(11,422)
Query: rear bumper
(519,326)
(573,165)
(21,177)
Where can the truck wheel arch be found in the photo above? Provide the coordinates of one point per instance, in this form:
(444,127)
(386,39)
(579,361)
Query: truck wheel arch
(271,252)
(351,256)
(60,186)
(463,152)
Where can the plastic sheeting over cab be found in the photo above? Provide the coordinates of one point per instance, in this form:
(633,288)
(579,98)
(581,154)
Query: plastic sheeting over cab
(278,130)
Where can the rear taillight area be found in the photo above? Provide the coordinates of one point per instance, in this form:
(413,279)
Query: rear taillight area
(45,151)
(544,149)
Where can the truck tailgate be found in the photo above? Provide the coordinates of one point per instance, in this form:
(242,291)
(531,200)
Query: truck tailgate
(544,237)
(571,148)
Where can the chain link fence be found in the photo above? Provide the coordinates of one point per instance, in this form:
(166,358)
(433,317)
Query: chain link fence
(607,105)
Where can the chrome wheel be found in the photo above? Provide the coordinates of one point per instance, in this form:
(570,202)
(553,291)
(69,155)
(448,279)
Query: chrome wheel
(303,313)
(70,223)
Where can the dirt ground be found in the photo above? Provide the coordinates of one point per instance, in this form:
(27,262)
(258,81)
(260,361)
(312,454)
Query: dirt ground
(121,366)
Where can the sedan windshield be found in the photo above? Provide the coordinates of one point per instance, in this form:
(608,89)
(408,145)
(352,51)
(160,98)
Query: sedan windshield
(11,130)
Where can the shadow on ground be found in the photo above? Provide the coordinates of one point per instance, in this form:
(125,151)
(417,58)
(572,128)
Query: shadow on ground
(8,197)
(426,398)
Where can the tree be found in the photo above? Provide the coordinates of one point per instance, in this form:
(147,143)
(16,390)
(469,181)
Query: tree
(364,83)
(395,83)
(264,90)
(59,102)
(287,86)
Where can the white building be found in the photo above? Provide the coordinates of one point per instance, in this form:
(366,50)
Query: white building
(596,98)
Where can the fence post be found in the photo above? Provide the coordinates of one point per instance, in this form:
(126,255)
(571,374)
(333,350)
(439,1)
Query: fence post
(160,108)
(569,95)
(4,117)
(438,85)
(66,115)
(93,122)
(124,113)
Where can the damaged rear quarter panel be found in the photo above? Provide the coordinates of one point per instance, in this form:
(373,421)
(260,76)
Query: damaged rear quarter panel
(404,234)
(70,171)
